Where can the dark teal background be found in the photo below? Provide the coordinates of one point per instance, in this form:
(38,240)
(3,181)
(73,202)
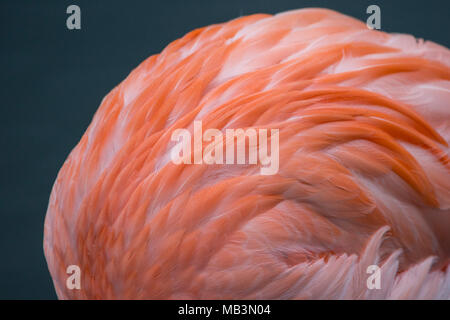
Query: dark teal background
(52,80)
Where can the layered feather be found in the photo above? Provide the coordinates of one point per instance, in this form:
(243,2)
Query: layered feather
(364,173)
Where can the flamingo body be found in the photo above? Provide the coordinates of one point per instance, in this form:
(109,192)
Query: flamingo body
(363,179)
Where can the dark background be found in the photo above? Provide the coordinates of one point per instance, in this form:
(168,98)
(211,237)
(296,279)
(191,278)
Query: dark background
(52,80)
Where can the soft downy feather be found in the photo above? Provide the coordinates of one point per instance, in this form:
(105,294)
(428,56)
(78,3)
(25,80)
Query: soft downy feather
(364,174)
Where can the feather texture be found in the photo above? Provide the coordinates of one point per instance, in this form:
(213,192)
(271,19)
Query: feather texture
(364,174)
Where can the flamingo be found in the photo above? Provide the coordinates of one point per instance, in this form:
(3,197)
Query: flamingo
(363,179)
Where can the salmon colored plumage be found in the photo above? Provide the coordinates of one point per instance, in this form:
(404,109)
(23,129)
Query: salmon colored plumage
(364,171)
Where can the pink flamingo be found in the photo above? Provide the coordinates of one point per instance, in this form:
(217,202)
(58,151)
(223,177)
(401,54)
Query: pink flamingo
(363,179)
